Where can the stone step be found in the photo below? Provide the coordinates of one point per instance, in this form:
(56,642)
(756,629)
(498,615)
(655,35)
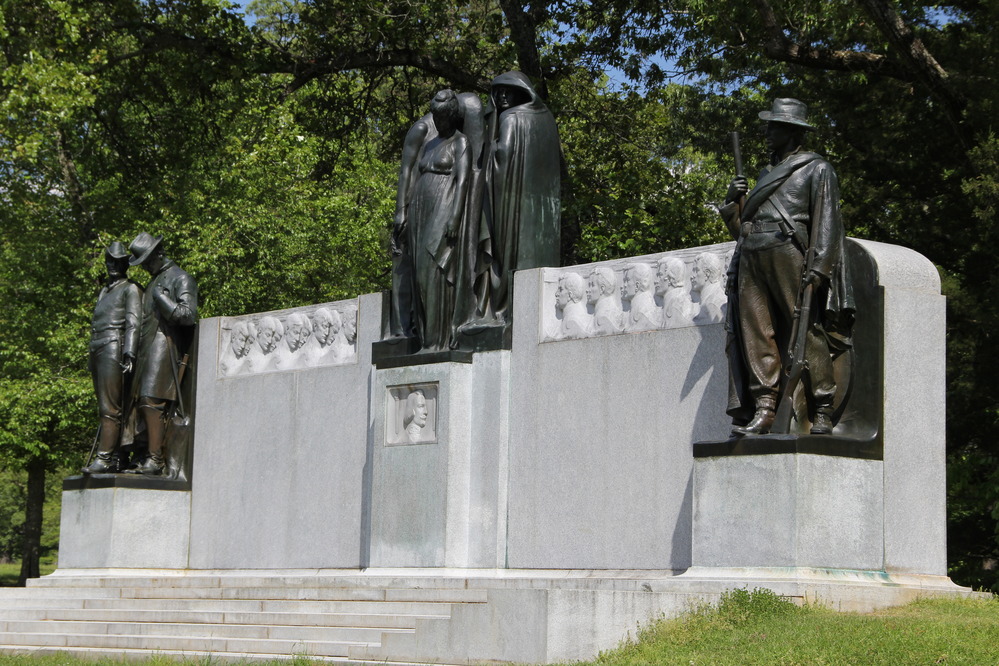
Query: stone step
(307,594)
(158,642)
(458,595)
(135,654)
(306,619)
(236,605)
(372,634)
(346,580)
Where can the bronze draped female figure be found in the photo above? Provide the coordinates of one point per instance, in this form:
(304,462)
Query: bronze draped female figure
(432,217)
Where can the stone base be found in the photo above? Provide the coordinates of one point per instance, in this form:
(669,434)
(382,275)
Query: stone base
(435,497)
(122,527)
(788,510)
(479,616)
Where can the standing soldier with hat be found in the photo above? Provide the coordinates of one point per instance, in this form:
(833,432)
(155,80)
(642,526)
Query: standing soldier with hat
(791,250)
(114,337)
(169,314)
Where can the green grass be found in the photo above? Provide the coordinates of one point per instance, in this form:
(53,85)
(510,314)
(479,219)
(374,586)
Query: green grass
(760,628)
(10,572)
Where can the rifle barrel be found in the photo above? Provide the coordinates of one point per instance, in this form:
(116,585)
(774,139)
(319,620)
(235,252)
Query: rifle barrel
(737,152)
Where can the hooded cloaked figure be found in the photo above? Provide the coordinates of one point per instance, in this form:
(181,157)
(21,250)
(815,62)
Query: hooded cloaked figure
(521,207)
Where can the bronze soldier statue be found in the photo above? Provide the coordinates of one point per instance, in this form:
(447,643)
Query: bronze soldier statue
(169,315)
(114,338)
(790,247)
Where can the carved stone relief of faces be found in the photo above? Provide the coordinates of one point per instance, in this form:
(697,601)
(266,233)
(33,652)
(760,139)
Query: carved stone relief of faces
(698,280)
(604,281)
(241,340)
(592,288)
(628,287)
(298,331)
(269,333)
(325,325)
(561,294)
(349,326)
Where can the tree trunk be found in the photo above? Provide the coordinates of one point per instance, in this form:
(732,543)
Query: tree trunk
(33,520)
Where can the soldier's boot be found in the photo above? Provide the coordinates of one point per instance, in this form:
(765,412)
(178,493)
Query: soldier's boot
(822,423)
(153,465)
(104,463)
(760,425)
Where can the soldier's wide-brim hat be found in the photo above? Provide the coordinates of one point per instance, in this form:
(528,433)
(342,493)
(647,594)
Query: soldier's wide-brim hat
(116,250)
(142,247)
(787,110)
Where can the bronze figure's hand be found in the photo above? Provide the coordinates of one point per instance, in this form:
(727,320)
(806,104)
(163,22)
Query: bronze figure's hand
(737,189)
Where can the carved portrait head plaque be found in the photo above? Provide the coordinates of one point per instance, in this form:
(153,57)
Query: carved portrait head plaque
(411,414)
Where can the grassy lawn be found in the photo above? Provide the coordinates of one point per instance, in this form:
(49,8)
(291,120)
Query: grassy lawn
(760,628)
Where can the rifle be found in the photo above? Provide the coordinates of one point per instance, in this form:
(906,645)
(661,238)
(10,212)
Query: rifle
(796,352)
(737,153)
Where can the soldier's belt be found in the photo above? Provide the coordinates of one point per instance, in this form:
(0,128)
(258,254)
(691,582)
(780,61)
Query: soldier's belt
(763,227)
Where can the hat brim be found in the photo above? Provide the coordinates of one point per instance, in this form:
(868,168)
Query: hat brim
(135,261)
(109,253)
(783,118)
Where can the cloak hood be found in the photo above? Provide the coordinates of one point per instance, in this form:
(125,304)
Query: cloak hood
(520,81)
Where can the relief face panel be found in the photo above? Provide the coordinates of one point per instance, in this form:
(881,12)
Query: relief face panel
(411,414)
(670,290)
(283,340)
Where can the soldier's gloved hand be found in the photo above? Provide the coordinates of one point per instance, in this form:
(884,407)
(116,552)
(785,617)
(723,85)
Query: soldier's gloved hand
(128,364)
(737,189)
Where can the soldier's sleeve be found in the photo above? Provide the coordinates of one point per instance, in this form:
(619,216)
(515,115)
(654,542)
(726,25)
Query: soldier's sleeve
(827,225)
(133,316)
(730,215)
(185,311)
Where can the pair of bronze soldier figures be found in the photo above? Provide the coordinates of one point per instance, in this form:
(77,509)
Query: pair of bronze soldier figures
(139,345)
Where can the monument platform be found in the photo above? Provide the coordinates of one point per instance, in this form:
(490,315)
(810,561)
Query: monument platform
(396,616)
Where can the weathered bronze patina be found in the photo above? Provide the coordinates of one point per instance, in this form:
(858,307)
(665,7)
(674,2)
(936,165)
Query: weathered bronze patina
(461,229)
(789,261)
(522,207)
(169,316)
(114,339)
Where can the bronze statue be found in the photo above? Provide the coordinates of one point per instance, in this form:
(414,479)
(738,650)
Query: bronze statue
(169,316)
(433,213)
(114,338)
(522,207)
(789,261)
(437,209)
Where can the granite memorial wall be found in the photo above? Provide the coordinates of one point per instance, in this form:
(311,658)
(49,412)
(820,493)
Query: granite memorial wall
(574,449)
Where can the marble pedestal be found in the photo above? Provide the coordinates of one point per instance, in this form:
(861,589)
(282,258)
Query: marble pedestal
(788,510)
(124,528)
(438,486)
